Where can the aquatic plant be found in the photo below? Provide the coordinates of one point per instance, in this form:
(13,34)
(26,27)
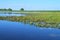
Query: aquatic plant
(46,19)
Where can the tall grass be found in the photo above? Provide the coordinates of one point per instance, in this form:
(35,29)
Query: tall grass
(51,19)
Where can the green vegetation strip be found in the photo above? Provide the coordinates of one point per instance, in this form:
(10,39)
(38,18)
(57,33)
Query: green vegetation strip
(42,19)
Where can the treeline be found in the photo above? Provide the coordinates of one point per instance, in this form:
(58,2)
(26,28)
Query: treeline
(9,9)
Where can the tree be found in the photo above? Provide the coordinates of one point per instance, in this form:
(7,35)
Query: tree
(5,9)
(9,9)
(1,9)
(22,9)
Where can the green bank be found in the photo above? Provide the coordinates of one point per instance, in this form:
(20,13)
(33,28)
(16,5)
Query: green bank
(40,19)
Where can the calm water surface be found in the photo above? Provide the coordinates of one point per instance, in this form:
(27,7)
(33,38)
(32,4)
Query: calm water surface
(11,14)
(20,31)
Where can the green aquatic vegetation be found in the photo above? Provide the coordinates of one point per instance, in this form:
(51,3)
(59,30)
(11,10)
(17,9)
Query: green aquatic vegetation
(42,19)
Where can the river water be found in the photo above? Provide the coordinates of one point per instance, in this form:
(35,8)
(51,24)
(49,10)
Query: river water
(20,31)
(11,14)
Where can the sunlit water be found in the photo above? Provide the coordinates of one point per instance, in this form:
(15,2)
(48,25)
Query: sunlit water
(11,14)
(20,31)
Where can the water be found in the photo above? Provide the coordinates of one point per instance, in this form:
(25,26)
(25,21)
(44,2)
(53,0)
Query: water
(20,31)
(11,14)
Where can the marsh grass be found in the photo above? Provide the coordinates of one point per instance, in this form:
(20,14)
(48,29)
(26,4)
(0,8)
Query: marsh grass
(51,19)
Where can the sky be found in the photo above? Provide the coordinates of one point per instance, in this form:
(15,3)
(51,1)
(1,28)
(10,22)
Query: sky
(31,4)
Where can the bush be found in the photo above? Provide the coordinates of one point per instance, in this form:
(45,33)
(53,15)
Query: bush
(22,9)
(9,9)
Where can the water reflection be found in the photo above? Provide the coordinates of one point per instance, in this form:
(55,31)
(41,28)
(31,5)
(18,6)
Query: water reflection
(20,31)
(10,14)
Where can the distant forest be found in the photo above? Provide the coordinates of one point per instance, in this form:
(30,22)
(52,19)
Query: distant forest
(9,9)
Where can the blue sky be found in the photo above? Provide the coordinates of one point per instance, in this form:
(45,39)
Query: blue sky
(31,4)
